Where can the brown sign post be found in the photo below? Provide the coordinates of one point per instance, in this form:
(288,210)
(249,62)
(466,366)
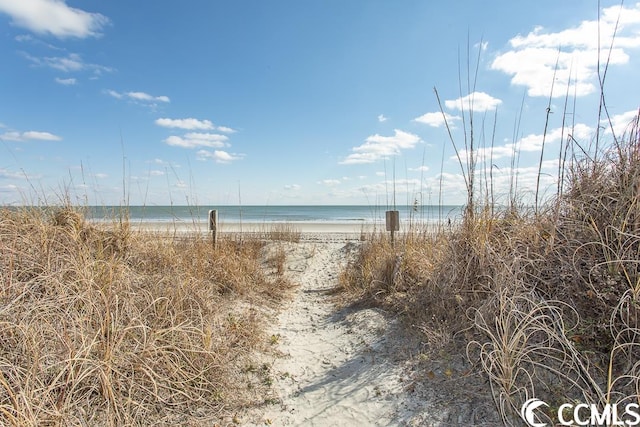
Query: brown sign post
(393,222)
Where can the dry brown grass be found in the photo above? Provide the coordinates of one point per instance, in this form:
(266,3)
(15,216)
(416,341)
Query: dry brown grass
(546,303)
(284,232)
(111,327)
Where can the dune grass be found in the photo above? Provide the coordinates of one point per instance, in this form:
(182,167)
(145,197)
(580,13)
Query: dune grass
(544,301)
(106,326)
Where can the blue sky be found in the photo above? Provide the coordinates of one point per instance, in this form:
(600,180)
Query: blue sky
(300,102)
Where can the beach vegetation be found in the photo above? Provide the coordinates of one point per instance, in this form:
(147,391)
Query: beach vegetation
(542,297)
(104,325)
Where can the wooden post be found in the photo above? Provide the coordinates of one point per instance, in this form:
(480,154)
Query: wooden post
(213,227)
(393,223)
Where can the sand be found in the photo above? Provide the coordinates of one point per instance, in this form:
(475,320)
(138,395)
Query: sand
(356,366)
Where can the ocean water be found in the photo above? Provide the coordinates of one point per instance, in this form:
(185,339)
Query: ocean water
(275,214)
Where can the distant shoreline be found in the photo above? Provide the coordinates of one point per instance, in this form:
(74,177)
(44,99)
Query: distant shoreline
(256,227)
(274,214)
(346,228)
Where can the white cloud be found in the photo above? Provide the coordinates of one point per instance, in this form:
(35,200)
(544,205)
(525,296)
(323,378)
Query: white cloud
(402,186)
(196,139)
(101,175)
(436,119)
(69,63)
(329,182)
(420,169)
(53,17)
(188,124)
(40,136)
(65,82)
(225,129)
(114,94)
(156,172)
(192,124)
(622,123)
(11,188)
(377,147)
(531,143)
(158,161)
(526,179)
(140,97)
(293,187)
(73,62)
(476,101)
(7,174)
(219,156)
(30,136)
(23,38)
(382,118)
(531,59)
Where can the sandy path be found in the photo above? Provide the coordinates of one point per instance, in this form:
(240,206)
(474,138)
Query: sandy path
(355,367)
(336,369)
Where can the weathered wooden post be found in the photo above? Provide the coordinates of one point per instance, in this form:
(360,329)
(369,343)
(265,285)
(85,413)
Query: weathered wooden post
(393,223)
(213,227)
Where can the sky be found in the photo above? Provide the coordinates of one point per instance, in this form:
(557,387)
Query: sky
(281,102)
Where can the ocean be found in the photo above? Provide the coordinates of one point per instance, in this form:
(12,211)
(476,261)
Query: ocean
(275,214)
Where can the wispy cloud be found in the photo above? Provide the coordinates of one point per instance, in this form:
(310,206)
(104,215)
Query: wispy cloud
(622,123)
(330,182)
(66,82)
(292,187)
(28,38)
(532,142)
(377,147)
(73,62)
(476,101)
(139,97)
(219,156)
(158,161)
(29,136)
(188,124)
(197,139)
(382,118)
(531,59)
(7,174)
(54,17)
(11,188)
